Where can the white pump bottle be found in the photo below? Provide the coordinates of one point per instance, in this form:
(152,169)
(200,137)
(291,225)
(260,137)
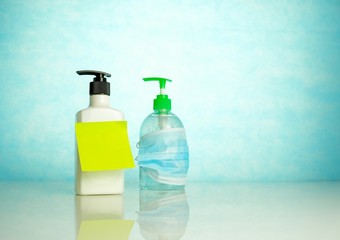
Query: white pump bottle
(99,110)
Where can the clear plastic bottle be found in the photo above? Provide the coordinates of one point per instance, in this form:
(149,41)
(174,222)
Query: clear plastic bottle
(163,152)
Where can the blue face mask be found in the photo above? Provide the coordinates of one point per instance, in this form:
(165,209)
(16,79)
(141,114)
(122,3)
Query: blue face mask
(165,155)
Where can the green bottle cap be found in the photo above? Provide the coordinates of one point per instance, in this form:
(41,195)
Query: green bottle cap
(162,102)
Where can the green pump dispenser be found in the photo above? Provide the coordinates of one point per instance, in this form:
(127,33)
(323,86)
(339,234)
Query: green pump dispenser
(162,102)
(163,155)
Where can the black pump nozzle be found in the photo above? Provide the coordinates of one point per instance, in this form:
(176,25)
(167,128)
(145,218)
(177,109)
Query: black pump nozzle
(99,84)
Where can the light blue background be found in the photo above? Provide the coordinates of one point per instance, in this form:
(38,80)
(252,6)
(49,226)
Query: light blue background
(256,83)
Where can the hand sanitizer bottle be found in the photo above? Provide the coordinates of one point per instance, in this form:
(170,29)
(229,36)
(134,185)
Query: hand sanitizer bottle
(163,156)
(99,110)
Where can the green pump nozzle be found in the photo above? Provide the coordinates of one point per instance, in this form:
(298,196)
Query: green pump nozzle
(162,102)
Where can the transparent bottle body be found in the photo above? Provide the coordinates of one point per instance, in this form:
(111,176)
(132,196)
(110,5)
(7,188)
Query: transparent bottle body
(157,121)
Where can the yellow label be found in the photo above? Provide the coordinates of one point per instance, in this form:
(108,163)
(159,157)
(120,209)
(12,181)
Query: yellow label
(103,146)
(105,229)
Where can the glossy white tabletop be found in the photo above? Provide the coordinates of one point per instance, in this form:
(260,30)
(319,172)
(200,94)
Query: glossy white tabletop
(50,210)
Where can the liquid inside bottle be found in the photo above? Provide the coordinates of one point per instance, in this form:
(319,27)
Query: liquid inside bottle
(163,152)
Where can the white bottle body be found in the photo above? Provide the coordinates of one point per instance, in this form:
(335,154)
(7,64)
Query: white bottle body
(98,182)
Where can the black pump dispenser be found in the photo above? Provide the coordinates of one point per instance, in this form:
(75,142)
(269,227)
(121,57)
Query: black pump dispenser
(99,84)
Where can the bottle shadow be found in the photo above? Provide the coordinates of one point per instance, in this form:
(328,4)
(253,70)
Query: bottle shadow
(101,217)
(163,214)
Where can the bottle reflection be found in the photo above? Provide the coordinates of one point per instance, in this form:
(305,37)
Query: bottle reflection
(101,217)
(163,214)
